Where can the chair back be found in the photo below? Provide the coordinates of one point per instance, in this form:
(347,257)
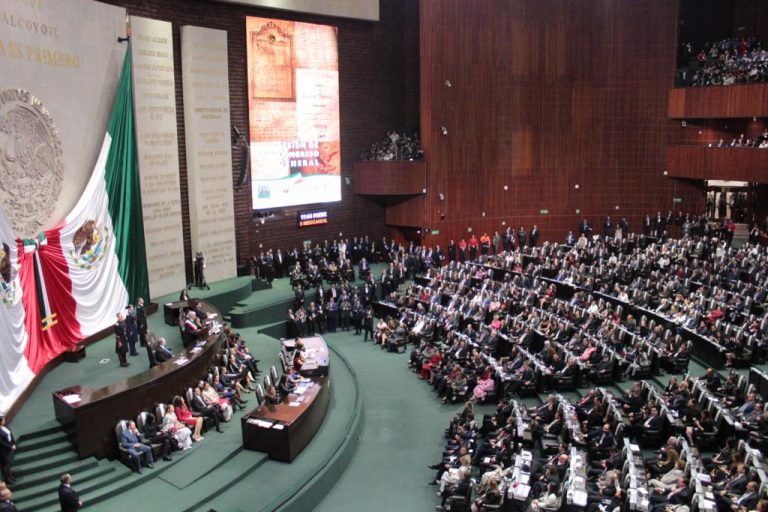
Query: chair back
(188,395)
(260,394)
(141,420)
(273,374)
(121,426)
(160,411)
(267,381)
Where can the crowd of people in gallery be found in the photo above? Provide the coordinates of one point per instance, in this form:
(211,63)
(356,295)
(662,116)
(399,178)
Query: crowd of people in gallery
(734,60)
(397,146)
(502,317)
(759,141)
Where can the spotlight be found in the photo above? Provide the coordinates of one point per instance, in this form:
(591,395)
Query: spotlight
(444,130)
(448,83)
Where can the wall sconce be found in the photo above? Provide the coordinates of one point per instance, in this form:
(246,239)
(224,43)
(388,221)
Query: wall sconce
(683,124)
(441,196)
(576,186)
(617,207)
(506,187)
(444,130)
(347,180)
(447,83)
(665,173)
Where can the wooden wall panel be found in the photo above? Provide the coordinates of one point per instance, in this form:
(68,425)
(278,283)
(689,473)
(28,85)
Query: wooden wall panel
(406,211)
(735,164)
(746,100)
(373,70)
(545,96)
(390,177)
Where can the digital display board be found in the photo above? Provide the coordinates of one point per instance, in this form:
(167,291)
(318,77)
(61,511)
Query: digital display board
(313,218)
(293,101)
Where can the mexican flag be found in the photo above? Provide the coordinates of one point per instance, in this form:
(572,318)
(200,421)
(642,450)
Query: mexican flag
(72,280)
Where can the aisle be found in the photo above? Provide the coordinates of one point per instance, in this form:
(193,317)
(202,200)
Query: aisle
(403,432)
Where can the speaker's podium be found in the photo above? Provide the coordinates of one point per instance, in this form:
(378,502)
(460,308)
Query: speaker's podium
(283,430)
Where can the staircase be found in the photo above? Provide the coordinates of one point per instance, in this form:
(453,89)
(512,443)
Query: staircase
(42,457)
(741,235)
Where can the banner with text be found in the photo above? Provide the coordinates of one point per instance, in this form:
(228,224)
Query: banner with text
(158,153)
(56,91)
(205,75)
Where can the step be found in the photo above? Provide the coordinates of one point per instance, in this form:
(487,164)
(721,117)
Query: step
(45,432)
(53,474)
(56,461)
(20,496)
(26,443)
(30,456)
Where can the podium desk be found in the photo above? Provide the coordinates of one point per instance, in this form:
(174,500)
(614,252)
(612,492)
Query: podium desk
(285,429)
(90,414)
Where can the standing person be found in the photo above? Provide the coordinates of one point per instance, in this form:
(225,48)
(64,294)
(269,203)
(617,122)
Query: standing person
(6,505)
(121,344)
(534,237)
(131,329)
(141,321)
(7,451)
(521,238)
(368,324)
(68,497)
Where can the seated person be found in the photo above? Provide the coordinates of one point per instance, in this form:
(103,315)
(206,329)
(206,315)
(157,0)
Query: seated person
(548,500)
(185,416)
(155,435)
(207,409)
(131,441)
(162,353)
(178,431)
(272,398)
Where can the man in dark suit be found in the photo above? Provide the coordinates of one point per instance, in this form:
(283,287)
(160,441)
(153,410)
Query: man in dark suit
(534,237)
(121,343)
(131,441)
(7,451)
(521,238)
(162,353)
(68,497)
(207,410)
(602,441)
(680,495)
(141,321)
(131,329)
(746,501)
(6,505)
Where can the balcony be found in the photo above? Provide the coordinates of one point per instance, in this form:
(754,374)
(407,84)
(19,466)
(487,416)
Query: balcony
(750,100)
(390,177)
(705,163)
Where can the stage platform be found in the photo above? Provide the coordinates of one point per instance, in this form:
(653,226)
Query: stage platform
(212,469)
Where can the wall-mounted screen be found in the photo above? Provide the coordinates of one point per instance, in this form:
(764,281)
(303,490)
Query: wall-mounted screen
(293,101)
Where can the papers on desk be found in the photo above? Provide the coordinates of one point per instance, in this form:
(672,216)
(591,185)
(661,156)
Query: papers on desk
(295,403)
(71,399)
(578,497)
(278,426)
(635,448)
(196,350)
(260,423)
(181,361)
